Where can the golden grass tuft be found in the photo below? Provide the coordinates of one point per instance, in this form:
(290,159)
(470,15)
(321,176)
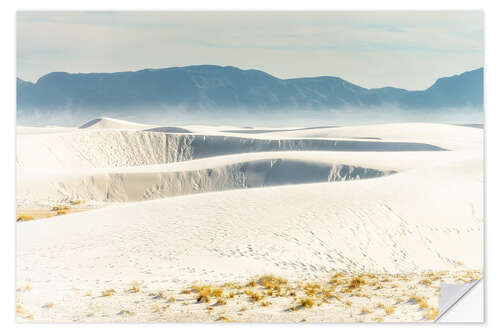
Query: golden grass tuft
(77,202)
(22,218)
(171,299)
(48,305)
(272,282)
(420,300)
(158,294)
(155,308)
(221,301)
(252,283)
(217,292)
(125,313)
(389,309)
(255,297)
(19,309)
(423,304)
(365,310)
(204,294)
(307,302)
(426,282)
(135,287)
(312,288)
(431,314)
(265,303)
(355,283)
(107,293)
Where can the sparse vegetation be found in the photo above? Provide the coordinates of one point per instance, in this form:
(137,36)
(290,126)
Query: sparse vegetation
(305,294)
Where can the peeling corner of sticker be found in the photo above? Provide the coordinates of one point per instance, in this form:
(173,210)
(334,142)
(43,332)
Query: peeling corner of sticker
(453,295)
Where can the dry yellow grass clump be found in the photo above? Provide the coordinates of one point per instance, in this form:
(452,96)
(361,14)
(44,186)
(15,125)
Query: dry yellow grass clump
(254,296)
(22,218)
(19,309)
(307,302)
(27,287)
(135,287)
(125,313)
(420,300)
(355,283)
(155,308)
(426,282)
(77,202)
(48,305)
(203,295)
(221,301)
(108,292)
(365,310)
(312,288)
(217,292)
(389,309)
(431,314)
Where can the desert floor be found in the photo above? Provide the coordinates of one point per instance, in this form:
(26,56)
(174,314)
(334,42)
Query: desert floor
(126,222)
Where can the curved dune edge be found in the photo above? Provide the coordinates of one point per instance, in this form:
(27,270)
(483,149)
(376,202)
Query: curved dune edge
(143,183)
(118,148)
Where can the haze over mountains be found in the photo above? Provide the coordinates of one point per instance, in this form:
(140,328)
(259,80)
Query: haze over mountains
(217,88)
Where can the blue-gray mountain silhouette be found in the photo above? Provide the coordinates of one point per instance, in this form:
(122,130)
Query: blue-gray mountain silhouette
(210,87)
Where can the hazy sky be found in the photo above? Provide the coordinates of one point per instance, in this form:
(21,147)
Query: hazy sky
(372,49)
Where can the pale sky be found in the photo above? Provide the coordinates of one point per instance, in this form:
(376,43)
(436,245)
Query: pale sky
(373,49)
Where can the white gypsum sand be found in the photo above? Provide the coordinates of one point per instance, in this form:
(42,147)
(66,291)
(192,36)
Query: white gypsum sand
(223,205)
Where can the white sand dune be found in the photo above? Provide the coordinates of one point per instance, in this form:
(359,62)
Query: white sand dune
(297,203)
(205,175)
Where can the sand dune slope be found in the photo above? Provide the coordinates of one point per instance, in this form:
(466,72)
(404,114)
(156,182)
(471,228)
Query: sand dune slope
(293,206)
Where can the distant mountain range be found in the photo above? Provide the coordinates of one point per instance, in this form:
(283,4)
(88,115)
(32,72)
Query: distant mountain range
(209,87)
